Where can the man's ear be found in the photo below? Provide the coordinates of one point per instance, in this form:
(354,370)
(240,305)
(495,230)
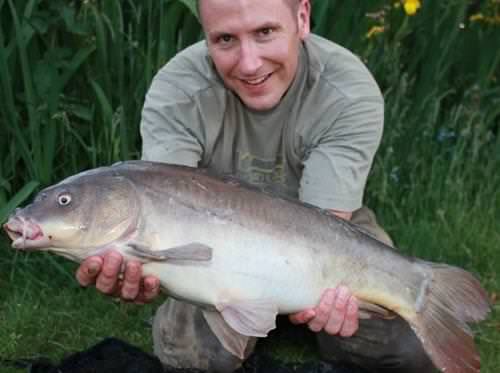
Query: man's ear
(304,18)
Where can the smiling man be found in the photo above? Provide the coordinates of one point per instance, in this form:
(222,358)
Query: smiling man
(254,49)
(264,99)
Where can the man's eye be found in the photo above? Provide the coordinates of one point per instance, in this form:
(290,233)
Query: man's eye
(266,31)
(225,39)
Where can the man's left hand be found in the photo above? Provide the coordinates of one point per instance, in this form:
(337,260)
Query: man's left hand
(336,313)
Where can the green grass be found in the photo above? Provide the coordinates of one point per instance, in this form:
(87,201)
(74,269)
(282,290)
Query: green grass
(72,81)
(457,228)
(43,312)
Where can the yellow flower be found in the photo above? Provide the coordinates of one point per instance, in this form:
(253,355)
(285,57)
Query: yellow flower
(489,20)
(476,17)
(411,6)
(374,31)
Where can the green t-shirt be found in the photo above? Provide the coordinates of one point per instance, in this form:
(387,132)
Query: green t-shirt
(317,144)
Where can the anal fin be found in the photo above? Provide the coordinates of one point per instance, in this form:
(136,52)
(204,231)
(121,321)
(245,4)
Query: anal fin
(236,322)
(250,317)
(233,342)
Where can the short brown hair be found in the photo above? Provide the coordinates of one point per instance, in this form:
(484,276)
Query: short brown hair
(293,4)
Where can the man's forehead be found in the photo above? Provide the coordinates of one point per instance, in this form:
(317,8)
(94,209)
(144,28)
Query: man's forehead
(292,4)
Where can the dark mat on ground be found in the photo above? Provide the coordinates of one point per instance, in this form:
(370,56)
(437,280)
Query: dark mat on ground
(115,356)
(112,355)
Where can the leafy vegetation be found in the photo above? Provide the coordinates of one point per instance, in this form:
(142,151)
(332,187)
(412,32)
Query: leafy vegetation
(73,75)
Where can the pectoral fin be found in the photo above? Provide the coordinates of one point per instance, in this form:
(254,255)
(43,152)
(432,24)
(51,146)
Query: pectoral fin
(232,341)
(191,252)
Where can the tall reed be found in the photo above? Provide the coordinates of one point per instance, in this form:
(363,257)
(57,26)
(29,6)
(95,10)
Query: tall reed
(73,76)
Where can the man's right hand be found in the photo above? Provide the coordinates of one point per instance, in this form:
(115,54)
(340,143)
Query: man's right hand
(105,272)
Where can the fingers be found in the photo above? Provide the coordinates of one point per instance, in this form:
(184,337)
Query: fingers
(344,317)
(302,317)
(149,290)
(138,289)
(107,281)
(351,321)
(88,270)
(336,314)
(131,281)
(106,273)
(323,311)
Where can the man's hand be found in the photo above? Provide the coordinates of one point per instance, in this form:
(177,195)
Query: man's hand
(336,313)
(106,272)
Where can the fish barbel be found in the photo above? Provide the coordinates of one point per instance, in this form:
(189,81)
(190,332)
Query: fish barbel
(245,255)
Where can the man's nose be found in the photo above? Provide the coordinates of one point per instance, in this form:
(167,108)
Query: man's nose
(250,59)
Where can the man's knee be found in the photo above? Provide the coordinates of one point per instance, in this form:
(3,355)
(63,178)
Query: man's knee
(183,339)
(381,346)
(407,357)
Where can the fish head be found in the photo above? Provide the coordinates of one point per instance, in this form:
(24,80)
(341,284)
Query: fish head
(76,216)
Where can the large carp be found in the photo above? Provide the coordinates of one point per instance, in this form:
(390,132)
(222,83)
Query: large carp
(246,255)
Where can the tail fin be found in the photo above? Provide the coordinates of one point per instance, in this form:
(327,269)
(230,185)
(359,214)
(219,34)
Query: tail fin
(454,298)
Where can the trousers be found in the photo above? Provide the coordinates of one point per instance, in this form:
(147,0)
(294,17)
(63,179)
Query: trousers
(183,339)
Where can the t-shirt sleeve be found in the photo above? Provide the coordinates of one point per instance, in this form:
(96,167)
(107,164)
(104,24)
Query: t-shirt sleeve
(337,165)
(165,135)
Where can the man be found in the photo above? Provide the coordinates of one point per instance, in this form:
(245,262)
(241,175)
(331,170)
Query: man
(265,100)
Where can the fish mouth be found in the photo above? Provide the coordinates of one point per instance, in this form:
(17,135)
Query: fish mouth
(25,234)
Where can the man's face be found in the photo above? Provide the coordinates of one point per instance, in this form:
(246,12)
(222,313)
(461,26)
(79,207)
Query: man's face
(254,45)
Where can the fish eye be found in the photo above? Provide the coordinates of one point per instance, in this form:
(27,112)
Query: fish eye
(64,199)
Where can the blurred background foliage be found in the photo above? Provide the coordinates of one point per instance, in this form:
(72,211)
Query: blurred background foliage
(73,76)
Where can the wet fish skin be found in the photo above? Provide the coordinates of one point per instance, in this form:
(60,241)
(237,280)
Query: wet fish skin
(246,255)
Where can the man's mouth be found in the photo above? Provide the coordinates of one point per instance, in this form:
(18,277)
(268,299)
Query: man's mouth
(257,81)
(25,234)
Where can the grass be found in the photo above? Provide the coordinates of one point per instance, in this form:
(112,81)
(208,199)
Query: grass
(72,81)
(450,224)
(44,313)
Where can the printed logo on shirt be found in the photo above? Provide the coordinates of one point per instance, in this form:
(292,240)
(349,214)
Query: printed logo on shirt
(262,172)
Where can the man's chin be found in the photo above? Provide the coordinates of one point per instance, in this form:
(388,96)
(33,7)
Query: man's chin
(260,103)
